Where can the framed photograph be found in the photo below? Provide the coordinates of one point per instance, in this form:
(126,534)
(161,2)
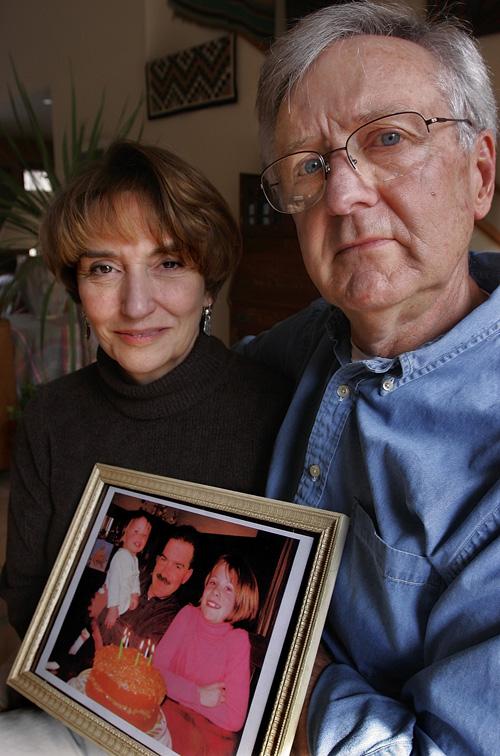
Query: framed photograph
(180,617)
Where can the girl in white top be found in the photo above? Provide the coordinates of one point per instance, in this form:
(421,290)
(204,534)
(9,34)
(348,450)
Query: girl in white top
(122,580)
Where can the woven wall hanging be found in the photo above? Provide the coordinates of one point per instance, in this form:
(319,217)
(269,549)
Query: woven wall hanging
(198,77)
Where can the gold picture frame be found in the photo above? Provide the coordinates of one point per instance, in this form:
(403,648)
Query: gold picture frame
(294,551)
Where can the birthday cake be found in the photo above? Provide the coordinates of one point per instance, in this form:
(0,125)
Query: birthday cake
(123,681)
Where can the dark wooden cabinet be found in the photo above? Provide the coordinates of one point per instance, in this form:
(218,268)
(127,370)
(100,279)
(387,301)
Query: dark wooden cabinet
(271,282)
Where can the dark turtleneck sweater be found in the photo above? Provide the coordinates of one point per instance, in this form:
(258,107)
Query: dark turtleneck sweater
(212,420)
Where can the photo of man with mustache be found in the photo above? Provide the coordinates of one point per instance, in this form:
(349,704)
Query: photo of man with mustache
(158,602)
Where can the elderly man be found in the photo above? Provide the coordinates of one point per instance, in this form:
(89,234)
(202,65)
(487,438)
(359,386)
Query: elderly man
(378,131)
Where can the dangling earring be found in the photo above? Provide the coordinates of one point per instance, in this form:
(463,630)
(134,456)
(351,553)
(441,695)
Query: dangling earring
(206,322)
(85,326)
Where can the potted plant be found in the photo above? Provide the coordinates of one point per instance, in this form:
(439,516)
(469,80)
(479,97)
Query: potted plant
(21,209)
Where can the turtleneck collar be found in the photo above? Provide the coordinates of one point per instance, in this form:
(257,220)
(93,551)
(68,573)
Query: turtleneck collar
(214,629)
(188,383)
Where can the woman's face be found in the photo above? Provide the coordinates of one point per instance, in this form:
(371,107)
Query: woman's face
(217,602)
(143,304)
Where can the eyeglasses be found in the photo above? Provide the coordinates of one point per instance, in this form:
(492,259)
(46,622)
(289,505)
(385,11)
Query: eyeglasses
(380,150)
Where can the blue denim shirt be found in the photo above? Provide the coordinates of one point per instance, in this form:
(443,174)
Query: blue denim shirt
(409,448)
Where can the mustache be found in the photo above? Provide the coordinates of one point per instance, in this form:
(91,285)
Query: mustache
(162,579)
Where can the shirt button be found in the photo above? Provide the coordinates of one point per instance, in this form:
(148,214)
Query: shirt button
(314,471)
(343,391)
(388,383)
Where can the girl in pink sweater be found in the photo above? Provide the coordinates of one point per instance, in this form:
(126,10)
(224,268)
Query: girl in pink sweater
(204,660)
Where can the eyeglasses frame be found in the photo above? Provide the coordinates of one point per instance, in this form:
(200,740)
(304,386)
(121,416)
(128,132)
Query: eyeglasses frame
(325,164)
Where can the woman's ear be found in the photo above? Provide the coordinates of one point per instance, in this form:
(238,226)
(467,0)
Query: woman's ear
(485,174)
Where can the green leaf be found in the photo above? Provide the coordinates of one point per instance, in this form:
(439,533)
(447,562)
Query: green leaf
(8,295)
(74,120)
(35,128)
(22,210)
(65,158)
(125,125)
(95,134)
(45,311)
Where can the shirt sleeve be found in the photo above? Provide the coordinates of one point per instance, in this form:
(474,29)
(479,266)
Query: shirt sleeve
(287,345)
(232,713)
(451,705)
(118,581)
(135,584)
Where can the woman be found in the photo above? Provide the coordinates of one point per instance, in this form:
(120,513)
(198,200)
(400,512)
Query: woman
(144,242)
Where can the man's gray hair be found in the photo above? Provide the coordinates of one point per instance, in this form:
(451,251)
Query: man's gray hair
(462,75)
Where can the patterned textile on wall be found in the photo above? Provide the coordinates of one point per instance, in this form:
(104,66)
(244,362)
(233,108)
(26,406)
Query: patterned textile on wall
(197,77)
(253,19)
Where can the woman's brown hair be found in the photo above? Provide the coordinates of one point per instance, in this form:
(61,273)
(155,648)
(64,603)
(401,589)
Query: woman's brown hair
(179,203)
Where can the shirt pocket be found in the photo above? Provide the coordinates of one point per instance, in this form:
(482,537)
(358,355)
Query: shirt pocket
(381,604)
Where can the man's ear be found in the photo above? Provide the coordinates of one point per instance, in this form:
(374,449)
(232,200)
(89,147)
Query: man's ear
(484,174)
(186,576)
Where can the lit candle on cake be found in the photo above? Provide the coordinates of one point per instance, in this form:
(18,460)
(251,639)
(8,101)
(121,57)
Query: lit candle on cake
(151,655)
(139,653)
(122,641)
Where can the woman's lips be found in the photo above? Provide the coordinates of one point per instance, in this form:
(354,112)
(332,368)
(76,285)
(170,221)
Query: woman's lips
(140,337)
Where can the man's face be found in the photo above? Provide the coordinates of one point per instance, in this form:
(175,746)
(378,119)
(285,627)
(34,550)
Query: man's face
(371,247)
(172,568)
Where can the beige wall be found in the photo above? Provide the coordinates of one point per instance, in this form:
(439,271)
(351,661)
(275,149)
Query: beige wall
(108,43)
(220,141)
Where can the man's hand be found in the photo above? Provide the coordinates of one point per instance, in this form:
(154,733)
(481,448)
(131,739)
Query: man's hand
(212,695)
(299,747)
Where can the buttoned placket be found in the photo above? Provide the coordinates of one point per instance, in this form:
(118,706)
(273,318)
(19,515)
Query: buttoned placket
(336,405)
(338,401)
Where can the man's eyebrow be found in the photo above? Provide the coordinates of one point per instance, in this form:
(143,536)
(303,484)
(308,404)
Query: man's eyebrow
(387,110)
(179,564)
(361,118)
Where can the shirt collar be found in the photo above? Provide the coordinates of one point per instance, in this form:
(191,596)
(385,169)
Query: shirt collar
(481,323)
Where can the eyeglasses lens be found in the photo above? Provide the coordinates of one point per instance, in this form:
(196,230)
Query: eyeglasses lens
(389,147)
(380,151)
(295,182)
